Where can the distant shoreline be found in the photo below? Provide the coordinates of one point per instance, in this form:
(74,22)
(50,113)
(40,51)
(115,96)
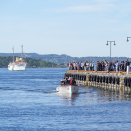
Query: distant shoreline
(35,67)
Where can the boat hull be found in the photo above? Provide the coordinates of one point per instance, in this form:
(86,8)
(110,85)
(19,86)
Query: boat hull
(20,67)
(72,89)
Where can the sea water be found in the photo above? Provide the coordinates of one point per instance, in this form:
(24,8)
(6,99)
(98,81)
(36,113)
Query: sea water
(29,102)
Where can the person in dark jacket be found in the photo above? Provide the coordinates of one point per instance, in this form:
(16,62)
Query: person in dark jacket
(109,67)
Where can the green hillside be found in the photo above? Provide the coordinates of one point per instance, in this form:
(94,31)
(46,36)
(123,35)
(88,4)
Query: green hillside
(31,63)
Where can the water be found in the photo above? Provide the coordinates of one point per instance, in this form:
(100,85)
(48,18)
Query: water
(29,102)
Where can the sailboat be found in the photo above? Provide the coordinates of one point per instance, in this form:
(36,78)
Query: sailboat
(19,64)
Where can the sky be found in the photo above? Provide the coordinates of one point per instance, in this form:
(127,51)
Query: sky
(77,28)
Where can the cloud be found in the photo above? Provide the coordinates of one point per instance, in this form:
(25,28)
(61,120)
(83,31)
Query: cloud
(87,8)
(103,0)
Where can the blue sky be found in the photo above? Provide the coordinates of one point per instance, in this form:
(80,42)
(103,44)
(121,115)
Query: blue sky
(73,27)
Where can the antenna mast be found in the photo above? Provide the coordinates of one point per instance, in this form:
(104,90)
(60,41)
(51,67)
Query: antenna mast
(22,51)
(13,54)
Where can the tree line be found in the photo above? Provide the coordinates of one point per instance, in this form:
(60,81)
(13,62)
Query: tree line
(31,63)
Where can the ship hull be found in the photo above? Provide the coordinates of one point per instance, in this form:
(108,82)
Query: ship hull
(67,89)
(20,67)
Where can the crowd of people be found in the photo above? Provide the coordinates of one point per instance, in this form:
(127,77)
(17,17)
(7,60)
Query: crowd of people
(100,66)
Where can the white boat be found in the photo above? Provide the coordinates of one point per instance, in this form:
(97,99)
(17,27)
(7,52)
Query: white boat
(67,89)
(19,64)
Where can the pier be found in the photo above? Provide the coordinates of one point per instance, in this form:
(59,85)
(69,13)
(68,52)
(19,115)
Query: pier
(114,81)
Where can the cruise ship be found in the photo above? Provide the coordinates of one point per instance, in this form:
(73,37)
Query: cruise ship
(19,64)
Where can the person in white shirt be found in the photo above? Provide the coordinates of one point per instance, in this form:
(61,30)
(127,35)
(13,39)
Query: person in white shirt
(87,65)
(82,65)
(117,65)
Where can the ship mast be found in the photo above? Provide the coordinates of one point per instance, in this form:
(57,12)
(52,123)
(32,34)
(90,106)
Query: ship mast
(22,51)
(13,54)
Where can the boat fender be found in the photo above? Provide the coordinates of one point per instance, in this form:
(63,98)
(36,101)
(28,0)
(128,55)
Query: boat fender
(128,82)
(117,80)
(106,79)
(113,80)
(72,75)
(90,77)
(100,79)
(80,78)
(84,77)
(94,78)
(97,79)
(103,79)
(109,79)
(76,77)
(125,81)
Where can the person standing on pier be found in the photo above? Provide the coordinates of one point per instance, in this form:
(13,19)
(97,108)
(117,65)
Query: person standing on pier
(127,65)
(116,66)
(92,66)
(78,66)
(109,67)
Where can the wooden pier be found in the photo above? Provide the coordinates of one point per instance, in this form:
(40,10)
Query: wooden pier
(115,81)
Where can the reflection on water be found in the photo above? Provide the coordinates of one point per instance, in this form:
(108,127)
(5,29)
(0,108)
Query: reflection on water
(68,98)
(92,95)
(68,95)
(110,95)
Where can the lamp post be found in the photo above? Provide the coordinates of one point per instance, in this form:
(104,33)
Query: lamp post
(127,38)
(110,46)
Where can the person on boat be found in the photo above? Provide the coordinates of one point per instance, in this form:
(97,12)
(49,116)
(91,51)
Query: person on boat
(66,81)
(72,81)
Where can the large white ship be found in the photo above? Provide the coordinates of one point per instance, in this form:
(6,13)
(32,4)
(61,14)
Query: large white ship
(19,64)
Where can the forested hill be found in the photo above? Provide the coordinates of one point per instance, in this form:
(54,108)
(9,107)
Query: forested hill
(64,59)
(31,63)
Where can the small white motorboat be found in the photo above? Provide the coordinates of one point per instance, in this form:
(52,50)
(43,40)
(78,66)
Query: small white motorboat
(67,89)
(68,86)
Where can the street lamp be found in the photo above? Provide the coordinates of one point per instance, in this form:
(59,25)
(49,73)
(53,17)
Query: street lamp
(110,46)
(127,38)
